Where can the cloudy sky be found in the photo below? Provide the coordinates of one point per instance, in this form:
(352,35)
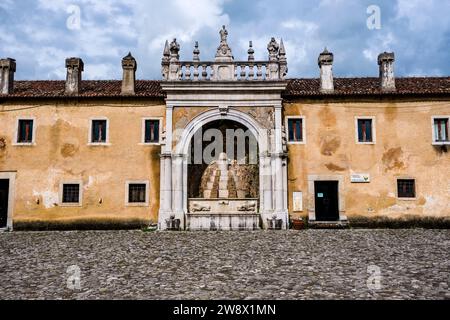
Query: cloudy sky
(40,34)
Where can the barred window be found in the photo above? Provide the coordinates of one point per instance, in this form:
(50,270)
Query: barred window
(25,131)
(137,193)
(295,130)
(406,188)
(99,128)
(71,193)
(151,131)
(365,130)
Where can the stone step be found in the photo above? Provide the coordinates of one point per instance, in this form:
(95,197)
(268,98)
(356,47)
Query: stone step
(223,193)
(207,194)
(223,185)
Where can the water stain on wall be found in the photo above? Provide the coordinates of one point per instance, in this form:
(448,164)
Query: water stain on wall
(333,167)
(327,118)
(329,144)
(390,113)
(392,159)
(68,150)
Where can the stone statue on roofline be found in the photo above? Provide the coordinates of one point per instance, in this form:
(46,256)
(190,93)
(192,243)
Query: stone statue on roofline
(174,49)
(223,35)
(273,48)
(224,51)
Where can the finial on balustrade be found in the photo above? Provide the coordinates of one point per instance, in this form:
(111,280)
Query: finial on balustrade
(196,52)
(165,61)
(282,60)
(251,52)
(166,52)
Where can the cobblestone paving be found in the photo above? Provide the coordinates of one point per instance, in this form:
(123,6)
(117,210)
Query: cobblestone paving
(310,264)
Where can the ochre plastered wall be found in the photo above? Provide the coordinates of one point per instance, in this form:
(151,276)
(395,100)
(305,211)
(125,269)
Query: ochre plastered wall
(403,148)
(62,153)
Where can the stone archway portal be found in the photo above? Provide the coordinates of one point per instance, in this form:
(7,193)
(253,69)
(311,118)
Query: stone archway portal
(223,214)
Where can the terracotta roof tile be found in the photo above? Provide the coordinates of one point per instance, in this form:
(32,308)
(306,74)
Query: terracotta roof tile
(89,88)
(370,86)
(295,88)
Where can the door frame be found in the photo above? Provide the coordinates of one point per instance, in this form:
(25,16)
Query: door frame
(11,176)
(312,193)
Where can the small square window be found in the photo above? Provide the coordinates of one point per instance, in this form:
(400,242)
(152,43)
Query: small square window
(295,130)
(365,130)
(99,134)
(137,193)
(151,128)
(406,188)
(71,193)
(25,131)
(441,130)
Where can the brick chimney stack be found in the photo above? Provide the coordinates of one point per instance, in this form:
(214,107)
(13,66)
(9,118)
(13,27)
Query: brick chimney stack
(326,71)
(386,63)
(7,69)
(129,67)
(75,67)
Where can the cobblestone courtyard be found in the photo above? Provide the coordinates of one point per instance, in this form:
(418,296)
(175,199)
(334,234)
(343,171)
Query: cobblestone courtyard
(310,264)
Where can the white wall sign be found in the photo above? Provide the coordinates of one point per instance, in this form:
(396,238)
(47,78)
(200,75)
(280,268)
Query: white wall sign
(360,178)
(297,201)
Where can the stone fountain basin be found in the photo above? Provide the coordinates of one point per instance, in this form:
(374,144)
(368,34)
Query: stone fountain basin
(223,206)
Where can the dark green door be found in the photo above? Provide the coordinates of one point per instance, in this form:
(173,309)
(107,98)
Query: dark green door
(326,200)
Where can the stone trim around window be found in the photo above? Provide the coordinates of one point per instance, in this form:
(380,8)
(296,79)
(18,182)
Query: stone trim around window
(144,119)
(287,118)
(374,131)
(106,143)
(16,133)
(147,192)
(433,135)
(80,196)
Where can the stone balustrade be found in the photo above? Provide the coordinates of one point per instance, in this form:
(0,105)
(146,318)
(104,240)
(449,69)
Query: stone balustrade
(240,70)
(224,68)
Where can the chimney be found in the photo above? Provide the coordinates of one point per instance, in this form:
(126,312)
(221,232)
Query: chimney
(129,67)
(326,71)
(7,69)
(75,67)
(386,63)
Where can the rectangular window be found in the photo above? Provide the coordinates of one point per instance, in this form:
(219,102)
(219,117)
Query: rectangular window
(71,193)
(441,130)
(99,128)
(365,130)
(151,128)
(25,131)
(295,130)
(406,188)
(137,193)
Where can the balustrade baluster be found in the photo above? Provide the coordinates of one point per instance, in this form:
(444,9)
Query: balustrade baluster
(204,72)
(196,73)
(251,72)
(259,72)
(243,72)
(187,72)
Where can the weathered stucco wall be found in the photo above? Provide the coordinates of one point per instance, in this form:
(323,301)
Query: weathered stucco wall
(403,148)
(62,153)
